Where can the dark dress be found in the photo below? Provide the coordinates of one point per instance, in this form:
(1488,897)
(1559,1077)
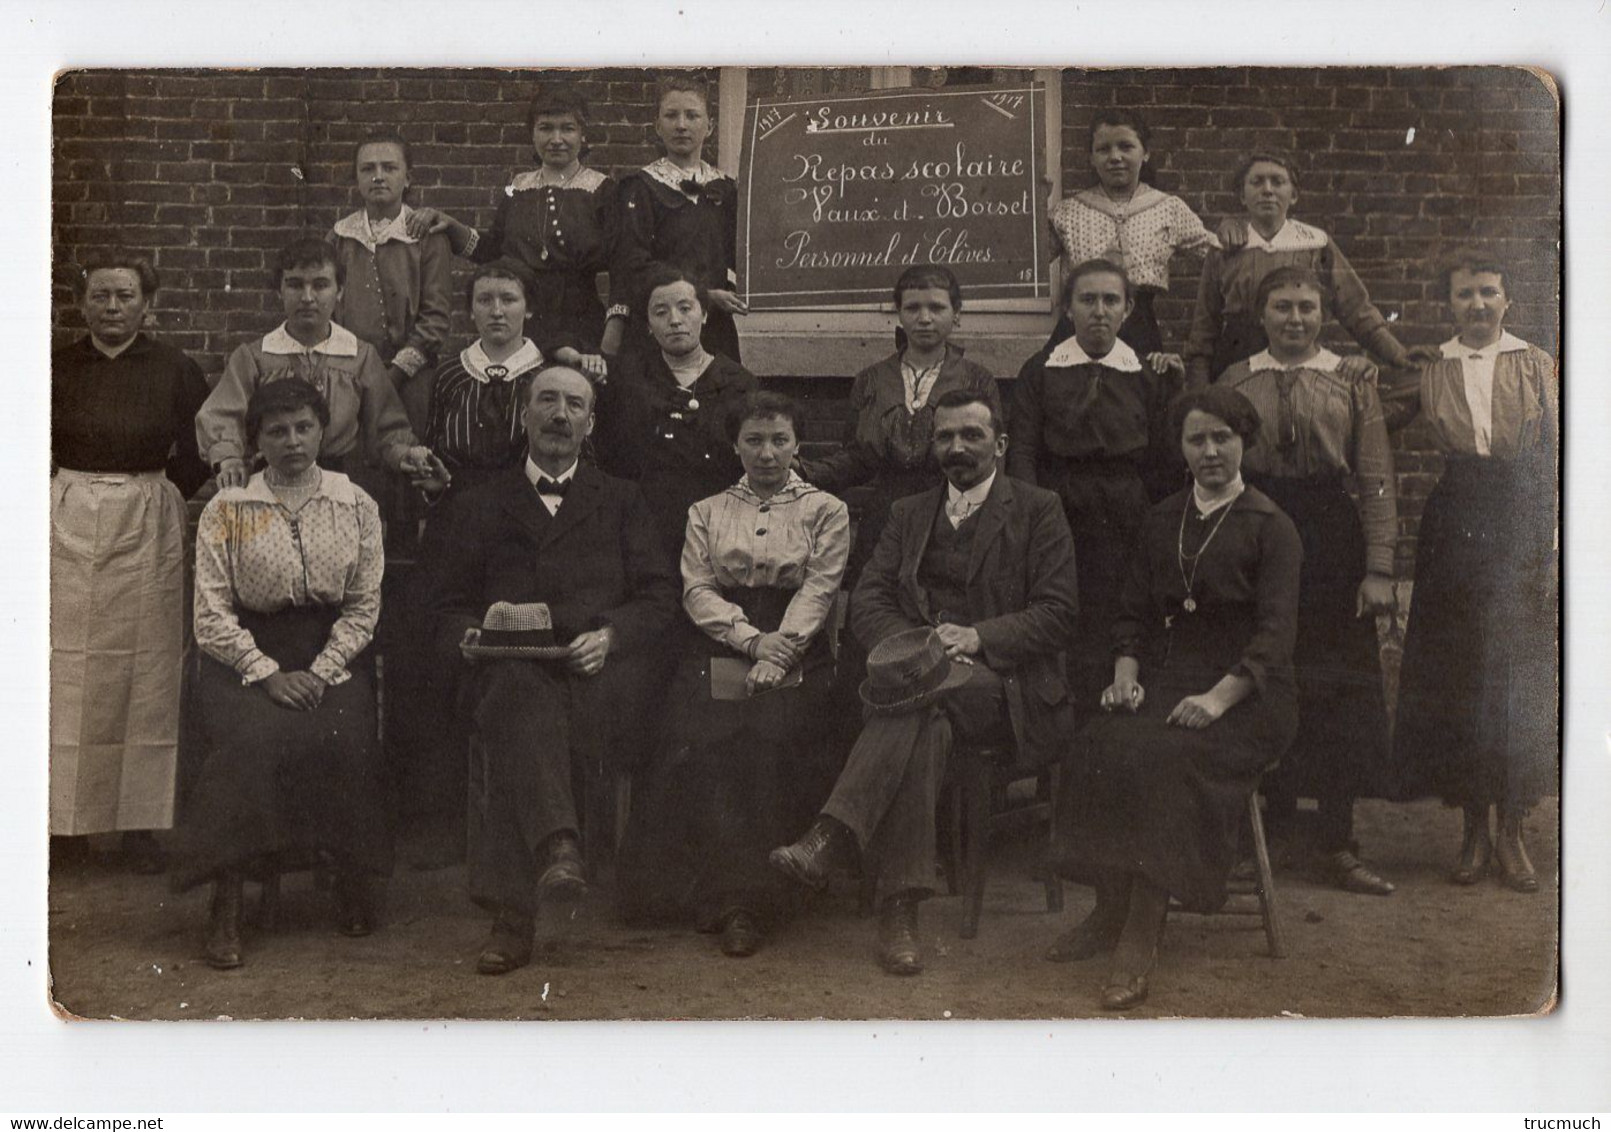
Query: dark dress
(1094,432)
(736,778)
(474,427)
(1479,690)
(1142,796)
(566,236)
(671,441)
(1341,751)
(695,230)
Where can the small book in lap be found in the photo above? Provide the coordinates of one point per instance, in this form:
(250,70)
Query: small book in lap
(727,675)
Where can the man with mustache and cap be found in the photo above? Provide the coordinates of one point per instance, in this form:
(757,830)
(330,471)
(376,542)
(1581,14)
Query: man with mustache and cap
(965,608)
(561,593)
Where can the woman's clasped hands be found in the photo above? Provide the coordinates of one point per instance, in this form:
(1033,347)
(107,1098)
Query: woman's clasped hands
(296,691)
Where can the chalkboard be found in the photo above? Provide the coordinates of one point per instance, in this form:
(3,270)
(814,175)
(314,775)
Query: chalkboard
(841,193)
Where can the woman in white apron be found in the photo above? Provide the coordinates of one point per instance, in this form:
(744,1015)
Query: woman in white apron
(123,457)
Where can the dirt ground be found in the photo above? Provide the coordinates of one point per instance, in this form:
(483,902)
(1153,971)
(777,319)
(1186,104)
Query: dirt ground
(124,946)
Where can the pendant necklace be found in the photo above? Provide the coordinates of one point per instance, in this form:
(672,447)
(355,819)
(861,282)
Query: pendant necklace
(1190,604)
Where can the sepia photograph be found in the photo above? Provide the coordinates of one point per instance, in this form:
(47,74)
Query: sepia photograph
(940,559)
(746,542)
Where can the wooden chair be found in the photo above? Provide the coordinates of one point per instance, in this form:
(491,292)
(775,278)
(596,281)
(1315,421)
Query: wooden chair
(1255,896)
(980,807)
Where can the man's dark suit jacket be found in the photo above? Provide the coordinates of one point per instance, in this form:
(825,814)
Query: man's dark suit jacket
(1022,597)
(596,562)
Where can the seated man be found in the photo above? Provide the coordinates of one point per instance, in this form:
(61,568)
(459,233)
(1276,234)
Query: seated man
(988,562)
(582,543)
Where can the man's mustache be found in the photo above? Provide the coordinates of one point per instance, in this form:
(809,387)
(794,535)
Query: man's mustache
(558,428)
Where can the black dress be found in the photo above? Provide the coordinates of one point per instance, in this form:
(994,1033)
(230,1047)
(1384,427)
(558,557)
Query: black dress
(1095,433)
(566,235)
(1140,795)
(696,230)
(672,441)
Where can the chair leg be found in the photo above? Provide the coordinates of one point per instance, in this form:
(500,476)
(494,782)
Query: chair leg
(1046,791)
(976,782)
(1266,881)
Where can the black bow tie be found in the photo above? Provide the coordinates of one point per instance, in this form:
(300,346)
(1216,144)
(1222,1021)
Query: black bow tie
(691,187)
(546,486)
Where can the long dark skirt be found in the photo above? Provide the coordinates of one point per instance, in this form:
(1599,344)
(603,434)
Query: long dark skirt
(1140,331)
(1341,752)
(731,782)
(278,781)
(1141,796)
(1479,692)
(1105,503)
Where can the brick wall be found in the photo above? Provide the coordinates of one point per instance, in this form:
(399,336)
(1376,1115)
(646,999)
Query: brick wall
(213,170)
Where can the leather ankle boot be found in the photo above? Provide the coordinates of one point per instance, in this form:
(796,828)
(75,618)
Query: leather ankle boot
(813,859)
(1476,848)
(223,950)
(898,950)
(1515,868)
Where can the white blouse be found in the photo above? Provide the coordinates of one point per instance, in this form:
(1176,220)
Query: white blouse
(252,553)
(796,539)
(1140,235)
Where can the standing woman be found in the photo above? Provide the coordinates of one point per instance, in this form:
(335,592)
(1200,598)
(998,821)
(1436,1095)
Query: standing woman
(1128,222)
(397,295)
(1228,324)
(288,572)
(663,421)
(1318,427)
(760,566)
(559,220)
(682,211)
(1201,701)
(123,458)
(1479,686)
(1089,421)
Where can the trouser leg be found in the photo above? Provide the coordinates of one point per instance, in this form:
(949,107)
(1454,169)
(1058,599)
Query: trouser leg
(523,723)
(889,788)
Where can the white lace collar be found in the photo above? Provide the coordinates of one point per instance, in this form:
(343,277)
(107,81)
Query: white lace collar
(1325,361)
(584,179)
(1071,353)
(341,343)
(475,361)
(672,175)
(1505,344)
(1294,236)
(356,227)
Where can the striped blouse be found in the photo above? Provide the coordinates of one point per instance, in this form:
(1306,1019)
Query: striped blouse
(475,408)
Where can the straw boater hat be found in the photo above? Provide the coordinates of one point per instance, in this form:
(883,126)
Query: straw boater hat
(518,632)
(908,671)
